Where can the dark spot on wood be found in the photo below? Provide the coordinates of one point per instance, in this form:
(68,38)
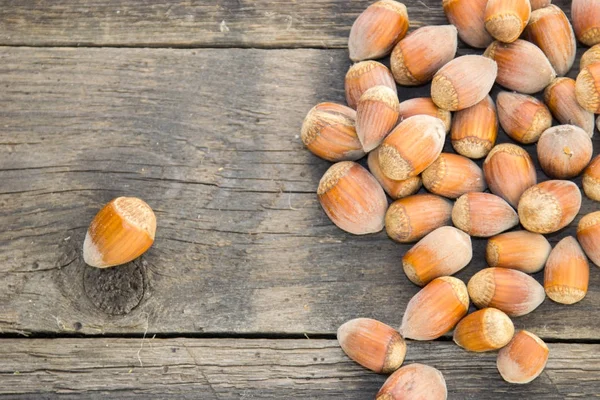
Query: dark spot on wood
(315,359)
(77,326)
(165,369)
(257,355)
(116,290)
(173,349)
(35,265)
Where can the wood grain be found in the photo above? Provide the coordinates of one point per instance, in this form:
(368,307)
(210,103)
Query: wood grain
(290,369)
(223,23)
(179,23)
(242,245)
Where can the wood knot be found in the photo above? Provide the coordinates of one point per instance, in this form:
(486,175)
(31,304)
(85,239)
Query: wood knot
(115,290)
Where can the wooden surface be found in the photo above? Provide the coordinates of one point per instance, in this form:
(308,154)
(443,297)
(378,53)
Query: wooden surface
(267,369)
(210,139)
(184,23)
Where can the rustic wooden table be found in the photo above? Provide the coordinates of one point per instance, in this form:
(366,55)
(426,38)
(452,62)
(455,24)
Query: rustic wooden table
(196,107)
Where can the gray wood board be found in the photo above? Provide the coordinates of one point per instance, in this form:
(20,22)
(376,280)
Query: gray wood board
(210,139)
(224,23)
(288,369)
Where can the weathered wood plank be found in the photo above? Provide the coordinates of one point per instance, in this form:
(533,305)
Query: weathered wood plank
(225,23)
(289,369)
(210,139)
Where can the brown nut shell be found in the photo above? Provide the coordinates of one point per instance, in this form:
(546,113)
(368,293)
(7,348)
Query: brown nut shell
(395,189)
(414,382)
(567,272)
(484,330)
(463,82)
(483,214)
(329,132)
(467,16)
(524,118)
(411,147)
(121,232)
(377,30)
(586,21)
(475,129)
(411,218)
(523,359)
(372,344)
(364,75)
(505,20)
(352,198)
(564,151)
(435,309)
(591,179)
(508,290)
(522,66)
(376,115)
(418,56)
(587,88)
(549,206)
(424,106)
(509,171)
(535,4)
(443,252)
(452,175)
(521,250)
(591,56)
(562,101)
(550,30)
(588,235)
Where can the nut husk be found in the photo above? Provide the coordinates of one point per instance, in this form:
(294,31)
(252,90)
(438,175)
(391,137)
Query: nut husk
(484,330)
(591,180)
(329,132)
(523,359)
(418,56)
(415,382)
(549,206)
(376,115)
(411,218)
(586,21)
(411,147)
(395,189)
(550,30)
(564,151)
(352,198)
(443,252)
(377,30)
(587,88)
(567,272)
(588,234)
(435,309)
(524,118)
(508,290)
(483,214)
(562,101)
(372,344)
(522,66)
(364,75)
(509,171)
(463,82)
(452,175)
(521,250)
(467,17)
(426,106)
(505,20)
(475,129)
